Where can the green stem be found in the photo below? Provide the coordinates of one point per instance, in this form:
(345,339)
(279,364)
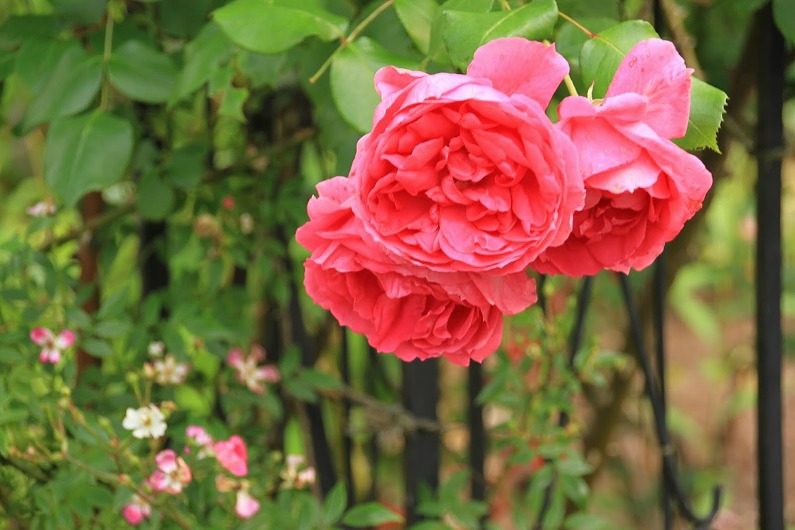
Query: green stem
(576,24)
(570,85)
(104,97)
(350,38)
(505,5)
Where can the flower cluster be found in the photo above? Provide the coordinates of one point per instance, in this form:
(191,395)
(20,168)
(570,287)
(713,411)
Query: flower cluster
(232,455)
(463,183)
(164,369)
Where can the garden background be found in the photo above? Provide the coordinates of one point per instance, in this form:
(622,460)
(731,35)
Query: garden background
(156,158)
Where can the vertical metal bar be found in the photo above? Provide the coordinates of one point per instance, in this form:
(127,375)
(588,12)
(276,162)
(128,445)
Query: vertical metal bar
(321,451)
(422,455)
(659,349)
(347,441)
(372,448)
(477,433)
(770,92)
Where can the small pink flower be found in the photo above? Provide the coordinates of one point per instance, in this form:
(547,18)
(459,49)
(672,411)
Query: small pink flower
(136,510)
(228,202)
(249,372)
(52,345)
(245,505)
(199,435)
(172,473)
(201,438)
(233,455)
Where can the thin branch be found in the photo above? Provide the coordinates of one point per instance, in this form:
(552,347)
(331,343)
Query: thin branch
(87,229)
(350,38)
(406,420)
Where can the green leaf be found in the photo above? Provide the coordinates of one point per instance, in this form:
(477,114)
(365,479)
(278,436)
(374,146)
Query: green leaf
(110,329)
(335,503)
(68,89)
(185,167)
(707,104)
(437,49)
(232,103)
(272,26)
(463,32)
(96,347)
(352,72)
(142,73)
(369,514)
(85,153)
(183,18)
(191,400)
(202,56)
(318,380)
(600,56)
(784,15)
(37,58)
(83,11)
(417,17)
(155,198)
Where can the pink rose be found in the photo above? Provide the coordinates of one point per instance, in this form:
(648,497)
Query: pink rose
(466,172)
(641,188)
(401,308)
(233,455)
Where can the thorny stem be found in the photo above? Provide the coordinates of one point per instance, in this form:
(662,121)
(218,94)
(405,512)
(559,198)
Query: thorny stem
(350,38)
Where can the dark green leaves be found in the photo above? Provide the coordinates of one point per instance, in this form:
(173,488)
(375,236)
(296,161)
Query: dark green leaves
(272,26)
(784,15)
(142,73)
(352,80)
(86,153)
(464,31)
(67,89)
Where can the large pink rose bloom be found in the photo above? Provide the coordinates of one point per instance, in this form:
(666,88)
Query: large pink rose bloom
(641,188)
(466,172)
(407,310)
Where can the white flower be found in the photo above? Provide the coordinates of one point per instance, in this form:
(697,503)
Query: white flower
(246,223)
(146,422)
(297,475)
(168,371)
(156,348)
(41,209)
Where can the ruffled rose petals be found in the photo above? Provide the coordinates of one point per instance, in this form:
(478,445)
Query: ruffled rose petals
(466,173)
(401,308)
(641,188)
